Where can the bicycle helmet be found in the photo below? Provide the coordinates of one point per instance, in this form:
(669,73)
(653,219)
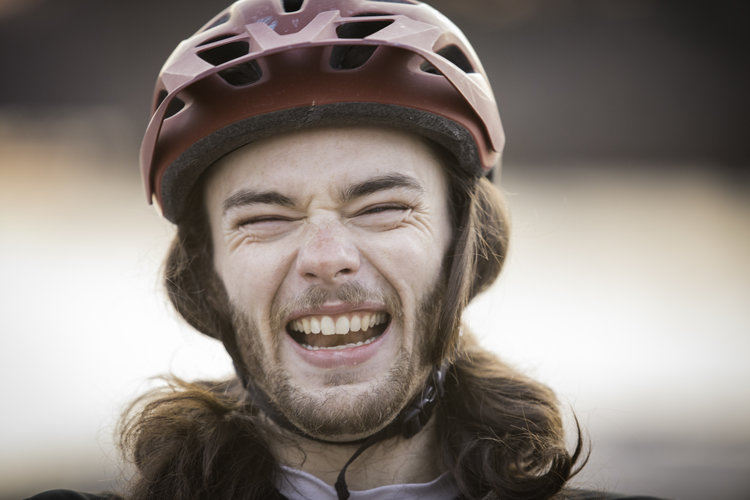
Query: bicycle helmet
(264,67)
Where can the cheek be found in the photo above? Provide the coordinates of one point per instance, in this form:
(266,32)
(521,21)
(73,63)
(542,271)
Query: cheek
(252,276)
(411,265)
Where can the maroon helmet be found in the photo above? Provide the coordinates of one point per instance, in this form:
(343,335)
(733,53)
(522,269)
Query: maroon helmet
(264,67)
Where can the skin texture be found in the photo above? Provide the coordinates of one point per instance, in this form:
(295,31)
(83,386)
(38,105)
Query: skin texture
(331,222)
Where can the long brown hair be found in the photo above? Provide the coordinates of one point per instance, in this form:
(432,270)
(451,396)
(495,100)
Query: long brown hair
(501,433)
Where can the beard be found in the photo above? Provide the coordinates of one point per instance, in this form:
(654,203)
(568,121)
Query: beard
(341,411)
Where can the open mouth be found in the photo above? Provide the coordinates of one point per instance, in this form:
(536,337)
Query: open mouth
(340,331)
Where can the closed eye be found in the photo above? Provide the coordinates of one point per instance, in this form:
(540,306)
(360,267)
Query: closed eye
(383,208)
(263,219)
(265,227)
(381,216)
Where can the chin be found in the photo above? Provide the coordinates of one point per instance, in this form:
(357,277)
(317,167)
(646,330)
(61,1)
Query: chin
(343,409)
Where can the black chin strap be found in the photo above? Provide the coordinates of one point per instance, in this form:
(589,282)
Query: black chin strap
(410,421)
(407,423)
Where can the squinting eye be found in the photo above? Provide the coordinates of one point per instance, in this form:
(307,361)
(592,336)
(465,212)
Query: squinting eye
(265,224)
(383,208)
(381,217)
(261,220)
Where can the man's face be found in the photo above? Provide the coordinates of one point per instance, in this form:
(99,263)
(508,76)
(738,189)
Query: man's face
(330,244)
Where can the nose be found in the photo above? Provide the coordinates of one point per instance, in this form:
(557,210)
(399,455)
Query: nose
(328,254)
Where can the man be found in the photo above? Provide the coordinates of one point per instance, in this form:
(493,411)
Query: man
(327,166)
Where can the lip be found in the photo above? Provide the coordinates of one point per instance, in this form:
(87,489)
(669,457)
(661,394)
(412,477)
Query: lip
(334,358)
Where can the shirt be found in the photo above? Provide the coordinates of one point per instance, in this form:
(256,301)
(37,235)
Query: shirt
(295,484)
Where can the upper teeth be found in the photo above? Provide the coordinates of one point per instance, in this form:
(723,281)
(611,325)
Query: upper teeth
(338,325)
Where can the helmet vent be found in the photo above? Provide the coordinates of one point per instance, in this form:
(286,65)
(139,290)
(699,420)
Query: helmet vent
(174,106)
(351,56)
(454,55)
(409,2)
(361,29)
(216,39)
(225,53)
(219,21)
(354,56)
(292,5)
(242,74)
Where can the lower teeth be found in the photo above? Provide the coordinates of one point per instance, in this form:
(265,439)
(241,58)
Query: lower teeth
(338,347)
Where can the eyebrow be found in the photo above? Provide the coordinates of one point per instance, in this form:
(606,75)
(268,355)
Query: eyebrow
(380,183)
(248,197)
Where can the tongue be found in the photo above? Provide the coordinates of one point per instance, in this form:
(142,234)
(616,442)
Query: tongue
(319,340)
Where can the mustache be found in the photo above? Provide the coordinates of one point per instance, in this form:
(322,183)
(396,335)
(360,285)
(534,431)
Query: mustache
(352,293)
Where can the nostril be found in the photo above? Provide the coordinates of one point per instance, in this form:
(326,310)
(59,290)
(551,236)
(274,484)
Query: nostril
(339,274)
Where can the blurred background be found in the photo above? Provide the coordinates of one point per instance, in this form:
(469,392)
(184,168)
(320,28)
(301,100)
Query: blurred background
(626,288)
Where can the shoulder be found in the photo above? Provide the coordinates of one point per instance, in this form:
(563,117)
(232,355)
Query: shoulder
(573,494)
(73,495)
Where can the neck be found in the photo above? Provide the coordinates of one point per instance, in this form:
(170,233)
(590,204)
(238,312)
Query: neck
(393,461)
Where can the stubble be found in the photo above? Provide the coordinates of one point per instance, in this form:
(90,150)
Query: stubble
(338,410)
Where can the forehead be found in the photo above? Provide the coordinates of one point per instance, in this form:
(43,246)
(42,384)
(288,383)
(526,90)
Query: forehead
(318,159)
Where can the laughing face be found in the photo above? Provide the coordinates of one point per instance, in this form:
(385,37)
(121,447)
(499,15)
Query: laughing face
(330,244)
